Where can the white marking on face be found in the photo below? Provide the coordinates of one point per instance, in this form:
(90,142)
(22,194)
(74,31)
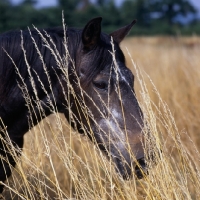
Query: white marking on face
(121,75)
(116,132)
(115,113)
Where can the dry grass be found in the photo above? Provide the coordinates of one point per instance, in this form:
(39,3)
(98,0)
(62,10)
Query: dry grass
(58,163)
(173,66)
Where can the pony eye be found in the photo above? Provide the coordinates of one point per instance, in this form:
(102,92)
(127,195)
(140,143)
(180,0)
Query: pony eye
(101,85)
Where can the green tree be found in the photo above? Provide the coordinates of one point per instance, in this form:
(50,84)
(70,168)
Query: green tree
(70,5)
(5,14)
(29,2)
(136,9)
(101,2)
(169,10)
(111,15)
(70,8)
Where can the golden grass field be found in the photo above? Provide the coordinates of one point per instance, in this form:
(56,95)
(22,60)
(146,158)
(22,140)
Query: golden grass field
(58,163)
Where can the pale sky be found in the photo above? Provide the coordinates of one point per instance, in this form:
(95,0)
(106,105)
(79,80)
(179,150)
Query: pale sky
(44,3)
(41,3)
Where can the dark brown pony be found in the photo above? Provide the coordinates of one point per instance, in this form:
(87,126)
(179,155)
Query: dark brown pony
(92,87)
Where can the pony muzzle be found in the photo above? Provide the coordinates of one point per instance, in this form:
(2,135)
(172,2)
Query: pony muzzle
(130,169)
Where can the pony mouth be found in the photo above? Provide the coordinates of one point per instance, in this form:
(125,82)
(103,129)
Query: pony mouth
(140,170)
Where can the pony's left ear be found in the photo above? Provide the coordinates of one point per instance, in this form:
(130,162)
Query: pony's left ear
(91,33)
(121,33)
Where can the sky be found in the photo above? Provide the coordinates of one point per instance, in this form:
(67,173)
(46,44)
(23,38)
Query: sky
(46,3)
(41,3)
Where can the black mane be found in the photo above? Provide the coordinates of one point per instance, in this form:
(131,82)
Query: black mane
(10,44)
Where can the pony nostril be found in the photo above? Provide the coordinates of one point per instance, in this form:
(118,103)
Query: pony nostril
(142,162)
(140,169)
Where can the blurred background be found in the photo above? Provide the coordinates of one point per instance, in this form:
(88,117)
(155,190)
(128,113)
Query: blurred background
(155,17)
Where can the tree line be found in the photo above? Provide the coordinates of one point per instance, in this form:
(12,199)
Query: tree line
(159,17)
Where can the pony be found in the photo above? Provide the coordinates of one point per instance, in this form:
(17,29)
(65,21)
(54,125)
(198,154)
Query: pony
(91,86)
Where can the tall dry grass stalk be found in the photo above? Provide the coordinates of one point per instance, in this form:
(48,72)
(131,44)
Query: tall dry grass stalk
(58,163)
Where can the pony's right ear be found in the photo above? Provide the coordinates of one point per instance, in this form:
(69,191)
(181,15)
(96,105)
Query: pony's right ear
(121,33)
(91,33)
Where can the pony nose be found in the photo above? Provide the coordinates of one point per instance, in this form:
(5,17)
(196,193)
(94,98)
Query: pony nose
(141,168)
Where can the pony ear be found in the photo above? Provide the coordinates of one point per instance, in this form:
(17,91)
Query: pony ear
(91,33)
(121,33)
